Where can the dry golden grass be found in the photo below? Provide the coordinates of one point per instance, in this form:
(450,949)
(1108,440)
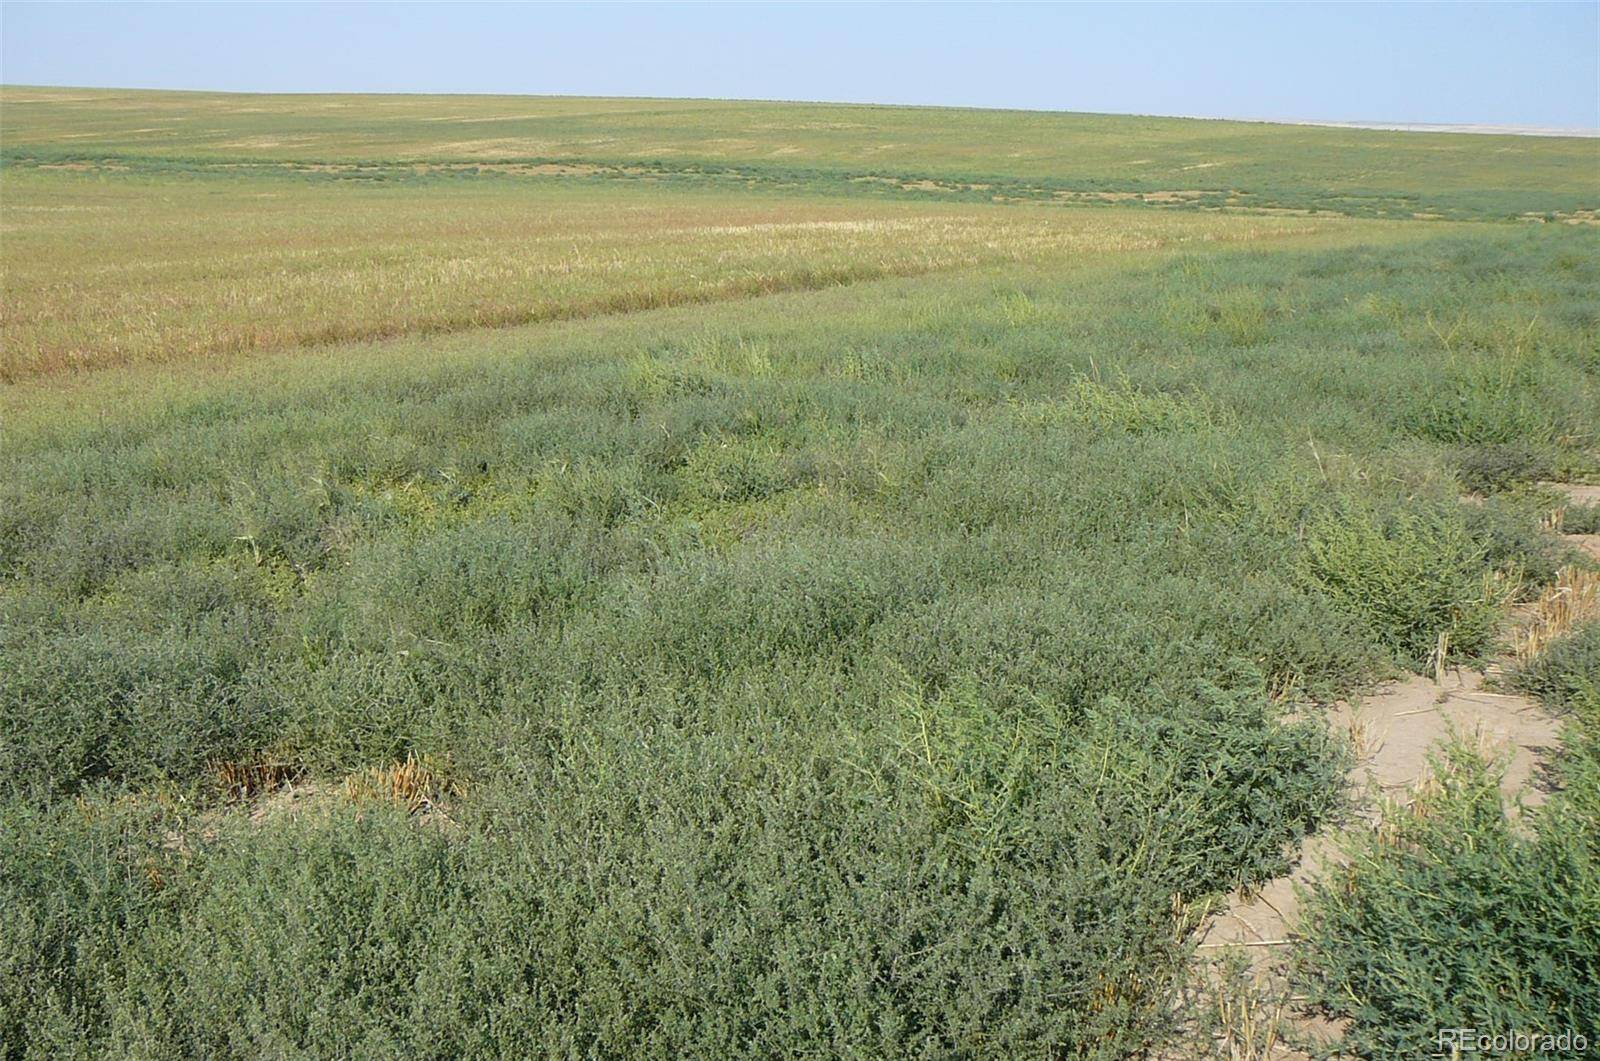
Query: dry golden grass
(111,271)
(1573,599)
(415,784)
(1249,1022)
(247,780)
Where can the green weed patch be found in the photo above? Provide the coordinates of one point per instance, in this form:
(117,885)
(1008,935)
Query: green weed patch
(893,669)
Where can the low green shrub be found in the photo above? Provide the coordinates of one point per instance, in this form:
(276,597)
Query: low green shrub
(1500,393)
(836,888)
(1413,573)
(733,470)
(1450,917)
(1510,528)
(1580,518)
(1119,405)
(867,673)
(1452,914)
(1494,466)
(1566,675)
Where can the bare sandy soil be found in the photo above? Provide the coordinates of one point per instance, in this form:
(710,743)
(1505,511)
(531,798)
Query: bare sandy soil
(1393,730)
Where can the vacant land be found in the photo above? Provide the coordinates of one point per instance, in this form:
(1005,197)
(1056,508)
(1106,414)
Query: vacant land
(169,269)
(758,579)
(980,153)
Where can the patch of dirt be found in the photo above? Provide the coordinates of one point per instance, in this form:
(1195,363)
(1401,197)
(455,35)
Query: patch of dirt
(291,800)
(1580,494)
(1589,543)
(272,796)
(1575,217)
(85,167)
(1167,197)
(1577,493)
(1393,730)
(1272,211)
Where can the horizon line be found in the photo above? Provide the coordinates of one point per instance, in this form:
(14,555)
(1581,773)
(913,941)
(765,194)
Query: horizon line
(1371,125)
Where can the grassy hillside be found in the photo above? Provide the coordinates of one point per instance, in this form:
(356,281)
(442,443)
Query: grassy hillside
(1344,170)
(805,622)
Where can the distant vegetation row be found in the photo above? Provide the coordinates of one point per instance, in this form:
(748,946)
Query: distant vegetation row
(976,187)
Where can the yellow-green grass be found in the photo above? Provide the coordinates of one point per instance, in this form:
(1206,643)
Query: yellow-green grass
(183,227)
(1508,173)
(118,269)
(34,401)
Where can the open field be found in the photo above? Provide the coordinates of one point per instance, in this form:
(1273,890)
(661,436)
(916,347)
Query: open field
(450,612)
(168,269)
(1010,152)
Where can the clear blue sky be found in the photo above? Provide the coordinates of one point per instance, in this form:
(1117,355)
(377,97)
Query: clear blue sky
(1424,62)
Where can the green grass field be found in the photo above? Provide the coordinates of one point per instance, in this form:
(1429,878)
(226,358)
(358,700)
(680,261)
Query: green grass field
(605,577)
(936,152)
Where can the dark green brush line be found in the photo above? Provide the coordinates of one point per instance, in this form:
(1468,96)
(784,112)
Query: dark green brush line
(1487,204)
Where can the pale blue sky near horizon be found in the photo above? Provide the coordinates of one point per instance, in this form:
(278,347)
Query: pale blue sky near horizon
(1506,64)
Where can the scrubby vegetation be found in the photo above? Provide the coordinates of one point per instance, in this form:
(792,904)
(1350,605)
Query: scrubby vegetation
(1456,916)
(1580,519)
(1566,675)
(1418,576)
(891,668)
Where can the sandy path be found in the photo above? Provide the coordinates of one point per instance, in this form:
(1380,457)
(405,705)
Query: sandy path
(1393,730)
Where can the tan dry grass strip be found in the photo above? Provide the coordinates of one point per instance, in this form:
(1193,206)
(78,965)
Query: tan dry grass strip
(1572,599)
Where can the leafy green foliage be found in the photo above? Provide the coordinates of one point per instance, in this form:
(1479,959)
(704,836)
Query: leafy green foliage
(876,671)
(1452,918)
(1496,466)
(1413,574)
(868,884)
(1511,529)
(1566,675)
(1581,519)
